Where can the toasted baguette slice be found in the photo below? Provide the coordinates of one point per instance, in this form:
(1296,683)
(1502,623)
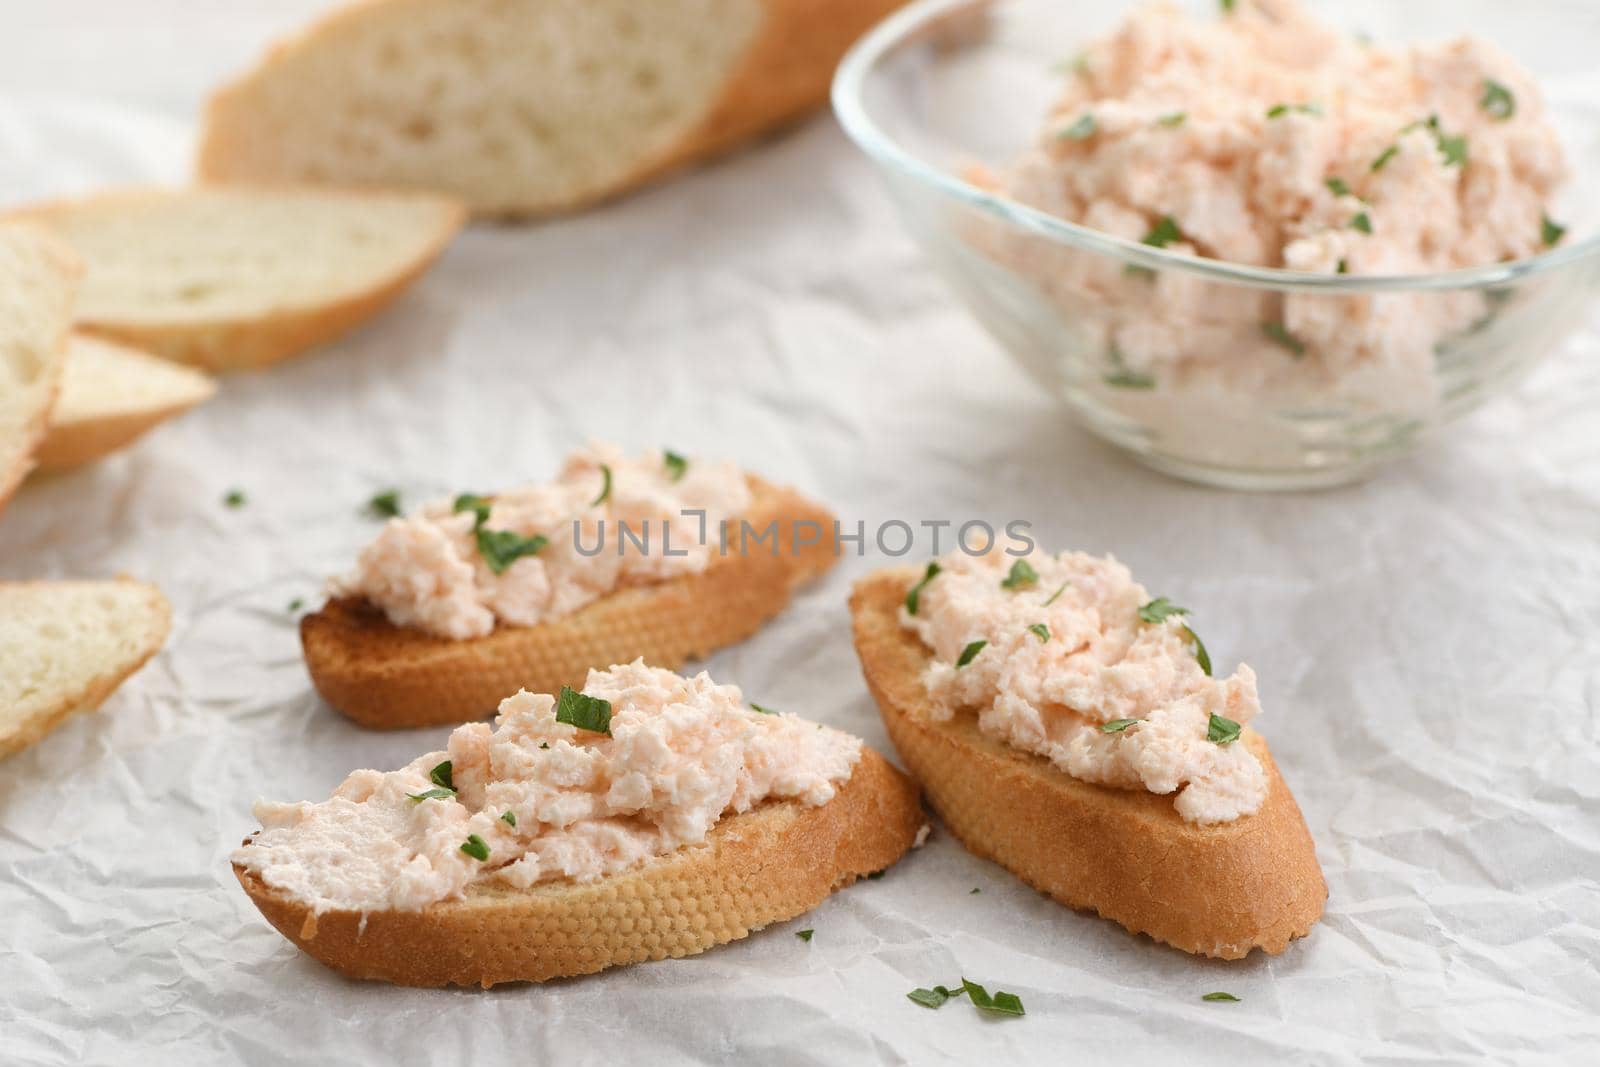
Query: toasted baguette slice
(110,396)
(65,646)
(523,107)
(231,279)
(388,677)
(772,863)
(1217,890)
(38,277)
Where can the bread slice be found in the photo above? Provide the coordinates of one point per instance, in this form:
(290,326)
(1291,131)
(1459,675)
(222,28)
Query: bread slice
(1218,890)
(772,863)
(525,107)
(38,277)
(388,677)
(111,395)
(65,646)
(230,279)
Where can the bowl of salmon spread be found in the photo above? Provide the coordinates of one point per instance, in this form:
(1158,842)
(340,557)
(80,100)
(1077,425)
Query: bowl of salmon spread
(1260,244)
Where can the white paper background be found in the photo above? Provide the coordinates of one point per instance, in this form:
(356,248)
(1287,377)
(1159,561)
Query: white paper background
(1426,642)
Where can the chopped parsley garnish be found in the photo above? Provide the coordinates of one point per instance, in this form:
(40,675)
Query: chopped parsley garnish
(1057,593)
(1128,379)
(1081,130)
(501,548)
(1362,222)
(758,708)
(1384,157)
(1337,186)
(1343,268)
(1041,631)
(478,505)
(875,875)
(475,847)
(915,594)
(933,998)
(583,711)
(1283,109)
(1220,996)
(508,817)
(1227,6)
(544,744)
(384,505)
(296,604)
(1279,334)
(1163,233)
(804,935)
(1159,609)
(1550,231)
(1177,118)
(974,891)
(235,498)
(1022,574)
(970,653)
(1221,731)
(1116,726)
(443,775)
(677,466)
(1000,1004)
(1200,654)
(1497,100)
(605,487)
(1454,149)
(432,794)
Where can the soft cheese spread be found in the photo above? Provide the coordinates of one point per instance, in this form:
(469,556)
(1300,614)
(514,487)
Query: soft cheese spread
(1262,136)
(528,555)
(1068,657)
(535,799)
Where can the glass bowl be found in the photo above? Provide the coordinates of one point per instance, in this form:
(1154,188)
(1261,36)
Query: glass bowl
(947,85)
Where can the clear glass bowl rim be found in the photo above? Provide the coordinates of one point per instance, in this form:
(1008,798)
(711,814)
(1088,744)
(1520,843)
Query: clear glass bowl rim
(862,60)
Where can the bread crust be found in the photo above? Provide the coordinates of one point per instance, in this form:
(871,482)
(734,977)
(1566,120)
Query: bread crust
(70,267)
(784,73)
(254,341)
(101,686)
(1219,890)
(772,863)
(389,677)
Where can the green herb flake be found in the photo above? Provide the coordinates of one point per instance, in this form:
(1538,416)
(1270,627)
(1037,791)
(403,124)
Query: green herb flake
(875,875)
(1159,609)
(1279,334)
(605,487)
(804,935)
(295,605)
(1163,233)
(432,794)
(761,710)
(1177,118)
(1280,110)
(501,548)
(1041,631)
(915,594)
(443,775)
(1081,130)
(1200,654)
(235,498)
(1384,157)
(970,653)
(544,744)
(974,891)
(475,847)
(1454,149)
(1362,222)
(677,466)
(1057,593)
(1116,726)
(933,998)
(1221,731)
(384,505)
(1227,6)
(478,505)
(1337,185)
(1127,379)
(1497,100)
(508,817)
(1000,1004)
(1550,231)
(583,711)
(1220,996)
(1343,267)
(1022,574)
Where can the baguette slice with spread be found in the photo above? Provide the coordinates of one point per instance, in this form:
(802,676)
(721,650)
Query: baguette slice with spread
(66,646)
(38,277)
(391,677)
(525,107)
(779,857)
(110,396)
(1216,890)
(238,278)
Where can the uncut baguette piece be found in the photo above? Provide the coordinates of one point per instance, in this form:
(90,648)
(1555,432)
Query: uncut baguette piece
(65,646)
(772,863)
(38,277)
(238,278)
(389,677)
(1219,890)
(524,107)
(110,396)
